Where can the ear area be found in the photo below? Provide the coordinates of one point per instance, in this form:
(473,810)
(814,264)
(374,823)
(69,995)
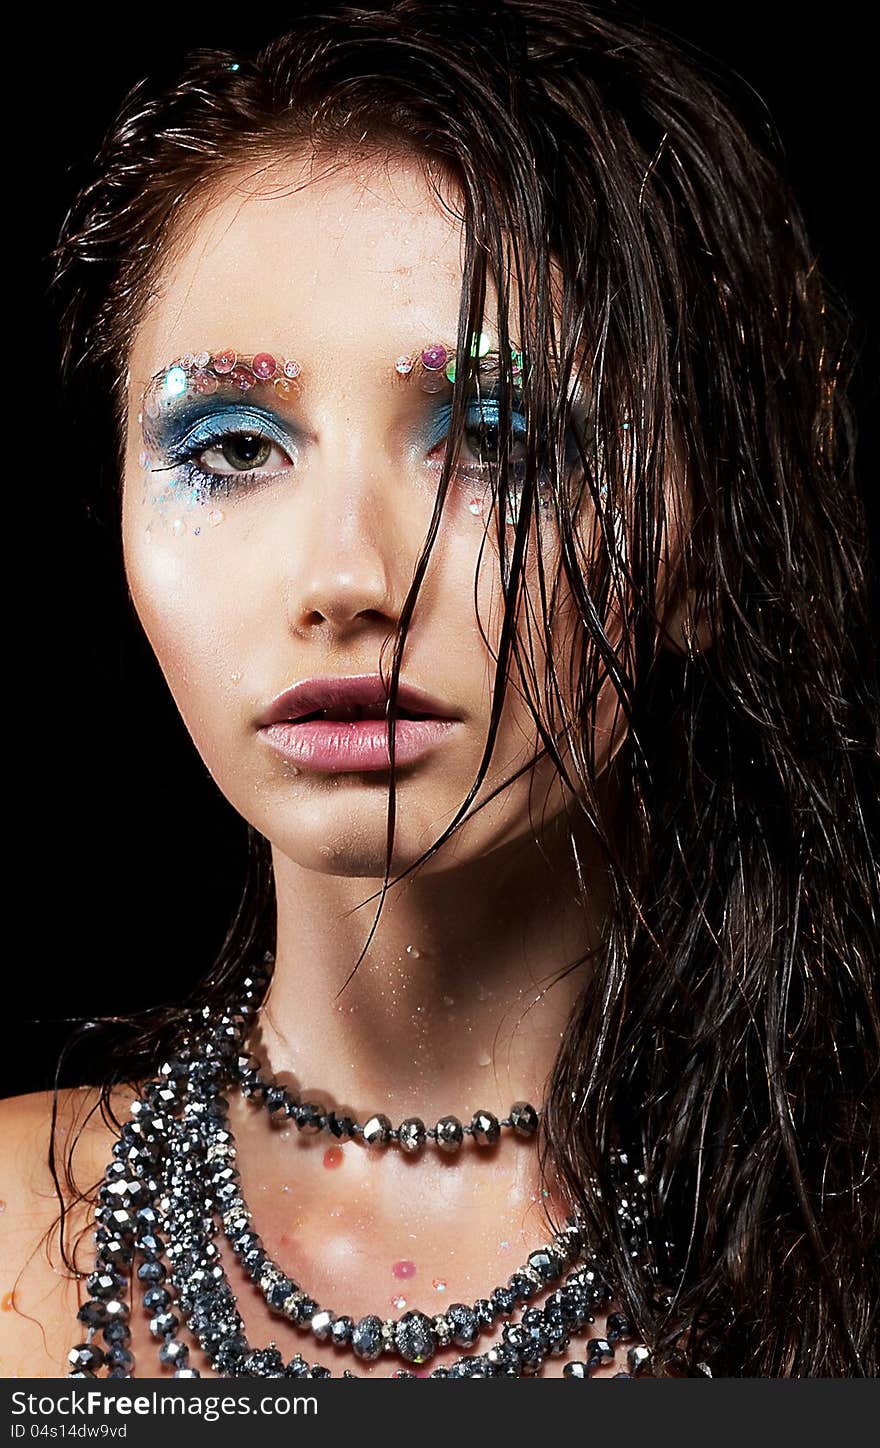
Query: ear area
(687,628)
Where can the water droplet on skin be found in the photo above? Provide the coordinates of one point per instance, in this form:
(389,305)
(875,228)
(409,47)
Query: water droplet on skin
(482,993)
(484,1059)
(448,1000)
(235,678)
(414,952)
(438,1284)
(215,517)
(178,527)
(399,1303)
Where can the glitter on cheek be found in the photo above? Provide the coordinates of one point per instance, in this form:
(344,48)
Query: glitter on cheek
(399,1303)
(333,1157)
(404,1269)
(439,1285)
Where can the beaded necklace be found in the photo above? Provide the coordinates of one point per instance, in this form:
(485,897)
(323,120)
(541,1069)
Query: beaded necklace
(173,1187)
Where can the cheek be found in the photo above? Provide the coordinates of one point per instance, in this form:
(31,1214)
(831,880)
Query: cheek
(187,593)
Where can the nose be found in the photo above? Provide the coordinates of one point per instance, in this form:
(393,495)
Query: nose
(346,571)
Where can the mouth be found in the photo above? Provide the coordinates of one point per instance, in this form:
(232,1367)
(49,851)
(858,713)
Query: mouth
(340,725)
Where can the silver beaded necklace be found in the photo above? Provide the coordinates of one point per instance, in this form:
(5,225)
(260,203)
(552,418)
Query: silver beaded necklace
(173,1187)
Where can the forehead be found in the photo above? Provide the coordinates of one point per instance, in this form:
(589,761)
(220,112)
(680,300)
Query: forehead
(323,257)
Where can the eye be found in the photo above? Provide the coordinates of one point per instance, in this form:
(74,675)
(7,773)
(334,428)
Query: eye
(241,452)
(483,434)
(481,441)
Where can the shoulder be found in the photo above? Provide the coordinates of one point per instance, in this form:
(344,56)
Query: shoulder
(39,1294)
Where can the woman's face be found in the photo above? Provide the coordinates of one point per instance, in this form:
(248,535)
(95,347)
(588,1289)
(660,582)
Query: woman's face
(271,539)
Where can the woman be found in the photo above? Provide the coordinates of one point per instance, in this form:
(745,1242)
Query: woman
(487,500)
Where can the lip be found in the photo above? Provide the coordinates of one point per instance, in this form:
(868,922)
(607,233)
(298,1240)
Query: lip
(335,746)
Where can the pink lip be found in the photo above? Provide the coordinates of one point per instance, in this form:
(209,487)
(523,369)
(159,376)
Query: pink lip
(335,746)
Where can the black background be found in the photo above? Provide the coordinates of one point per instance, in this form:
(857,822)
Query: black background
(129,861)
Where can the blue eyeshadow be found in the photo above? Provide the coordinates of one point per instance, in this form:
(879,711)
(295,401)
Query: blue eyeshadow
(196,424)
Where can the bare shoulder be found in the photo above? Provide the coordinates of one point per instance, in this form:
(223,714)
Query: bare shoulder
(39,1295)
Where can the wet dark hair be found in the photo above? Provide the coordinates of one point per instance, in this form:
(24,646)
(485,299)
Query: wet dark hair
(729,1027)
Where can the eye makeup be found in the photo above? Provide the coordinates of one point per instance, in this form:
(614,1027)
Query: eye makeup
(217,422)
(214,422)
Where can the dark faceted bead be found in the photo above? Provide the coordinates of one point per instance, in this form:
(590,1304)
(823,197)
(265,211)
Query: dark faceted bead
(485,1128)
(174,1352)
(458,1370)
(464,1323)
(575,1370)
(114,1251)
(254,1261)
(415,1338)
(639,1359)
(163,1323)
(366,1338)
(120,1357)
(93,1313)
(623,1375)
(377,1130)
(523,1118)
(230,1355)
(340,1125)
(516,1337)
(86,1357)
(618,1328)
(156,1299)
(522,1286)
(306,1310)
(150,1245)
(310,1117)
(279,1292)
(411,1135)
(276,1104)
(545,1263)
(574,1305)
(319,1372)
(599,1350)
(341,1331)
(265,1362)
(485,1312)
(245,1241)
(297,1368)
(557,1336)
(449,1133)
(105,1284)
(117,1332)
(151,1272)
(321,1323)
(504,1301)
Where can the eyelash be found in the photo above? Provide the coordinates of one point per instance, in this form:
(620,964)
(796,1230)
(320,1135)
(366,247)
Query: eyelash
(204,481)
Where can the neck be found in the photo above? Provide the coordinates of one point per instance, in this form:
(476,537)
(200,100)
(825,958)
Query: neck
(462,995)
